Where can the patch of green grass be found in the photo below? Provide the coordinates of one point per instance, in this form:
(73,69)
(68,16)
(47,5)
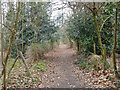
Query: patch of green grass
(40,66)
(11,61)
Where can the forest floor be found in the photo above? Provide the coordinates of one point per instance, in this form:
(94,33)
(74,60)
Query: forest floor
(61,72)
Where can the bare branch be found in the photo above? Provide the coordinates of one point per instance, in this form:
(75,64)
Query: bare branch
(88,8)
(7,27)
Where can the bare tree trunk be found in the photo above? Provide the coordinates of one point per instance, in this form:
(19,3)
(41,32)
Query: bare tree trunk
(26,67)
(99,36)
(10,46)
(115,43)
(94,12)
(2,40)
(98,31)
(23,28)
(94,48)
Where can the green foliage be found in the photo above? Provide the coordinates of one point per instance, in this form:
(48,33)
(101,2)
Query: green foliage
(82,30)
(81,27)
(93,61)
(118,42)
(34,26)
(83,63)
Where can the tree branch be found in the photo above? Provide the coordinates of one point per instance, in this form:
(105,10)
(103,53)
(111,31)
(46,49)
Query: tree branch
(7,27)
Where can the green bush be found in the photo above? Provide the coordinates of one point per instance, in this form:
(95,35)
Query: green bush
(83,63)
(93,61)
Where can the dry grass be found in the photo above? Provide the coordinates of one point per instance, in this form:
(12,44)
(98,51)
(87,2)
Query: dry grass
(34,53)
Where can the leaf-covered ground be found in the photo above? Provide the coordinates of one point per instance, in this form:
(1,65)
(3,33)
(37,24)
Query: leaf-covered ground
(59,72)
(62,73)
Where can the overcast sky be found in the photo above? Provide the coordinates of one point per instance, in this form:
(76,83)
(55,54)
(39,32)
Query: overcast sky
(56,13)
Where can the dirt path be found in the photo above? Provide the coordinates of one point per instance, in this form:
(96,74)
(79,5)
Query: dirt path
(62,73)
